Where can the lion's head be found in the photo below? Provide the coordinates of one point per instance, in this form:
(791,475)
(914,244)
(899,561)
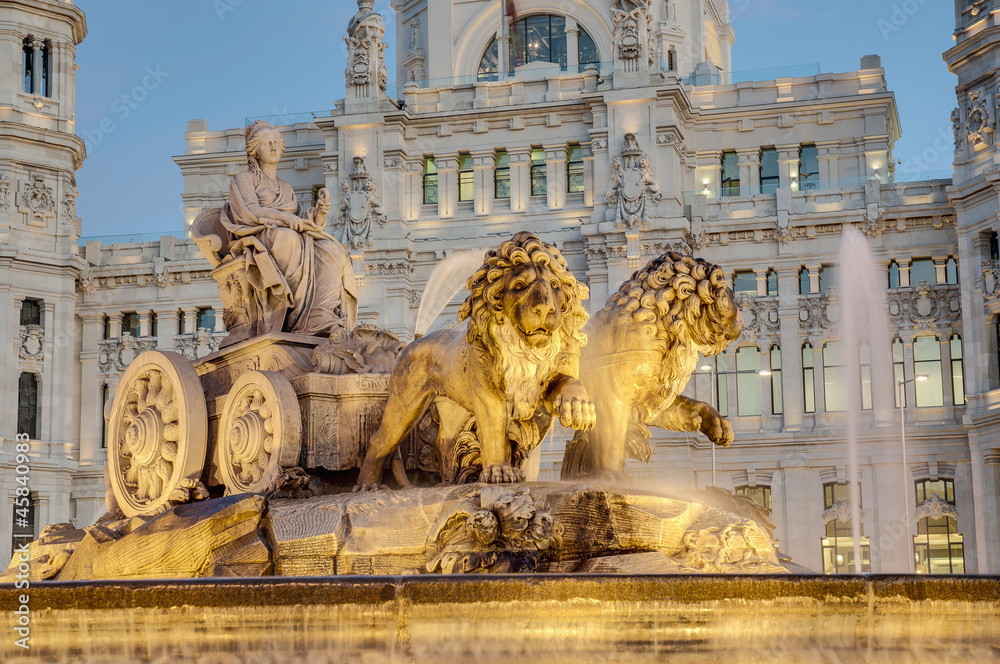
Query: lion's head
(526,283)
(677,296)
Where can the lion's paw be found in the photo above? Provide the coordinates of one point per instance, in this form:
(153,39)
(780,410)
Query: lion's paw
(364,488)
(502,473)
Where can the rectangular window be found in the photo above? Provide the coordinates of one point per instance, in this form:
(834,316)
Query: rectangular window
(865,357)
(574,169)
(897,369)
(834,378)
(777,403)
(730,174)
(130,323)
(466,178)
(805,285)
(745,281)
(107,327)
(772,283)
(957,371)
(827,278)
(539,172)
(893,274)
(768,171)
(27,405)
(31,312)
(206,319)
(808,384)
(501,175)
(27,53)
(938,546)
(430,181)
(927,362)
(152,324)
(951,271)
(808,167)
(47,71)
(922,269)
(721,385)
(759,494)
(105,395)
(748,384)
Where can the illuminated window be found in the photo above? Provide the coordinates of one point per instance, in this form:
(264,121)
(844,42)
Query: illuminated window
(769,179)
(501,175)
(938,546)
(808,167)
(730,174)
(927,362)
(893,274)
(808,384)
(865,359)
(31,312)
(772,283)
(759,494)
(27,405)
(574,169)
(540,38)
(922,269)
(834,378)
(745,281)
(539,172)
(430,181)
(466,178)
(748,384)
(777,405)
(957,370)
(838,540)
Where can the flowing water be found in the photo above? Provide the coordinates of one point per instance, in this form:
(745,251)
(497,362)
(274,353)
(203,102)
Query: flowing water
(445,281)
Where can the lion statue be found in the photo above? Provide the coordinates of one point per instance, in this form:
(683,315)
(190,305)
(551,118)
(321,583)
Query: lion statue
(519,353)
(644,345)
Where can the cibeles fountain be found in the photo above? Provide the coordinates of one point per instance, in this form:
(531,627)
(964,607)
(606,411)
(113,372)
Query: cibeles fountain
(325,488)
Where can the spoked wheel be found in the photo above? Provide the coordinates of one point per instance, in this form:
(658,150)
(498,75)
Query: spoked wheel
(157,435)
(260,432)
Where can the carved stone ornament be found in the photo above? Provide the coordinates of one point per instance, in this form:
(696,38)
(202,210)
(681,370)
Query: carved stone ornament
(196,345)
(4,193)
(840,511)
(32,346)
(37,199)
(632,185)
(935,507)
(359,207)
(977,118)
(991,280)
(366,349)
(924,305)
(760,316)
(818,312)
(366,52)
(631,20)
(114,355)
(957,128)
(499,529)
(717,545)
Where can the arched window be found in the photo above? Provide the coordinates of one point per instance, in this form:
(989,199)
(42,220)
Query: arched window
(804,282)
(539,38)
(893,274)
(772,283)
(938,546)
(838,539)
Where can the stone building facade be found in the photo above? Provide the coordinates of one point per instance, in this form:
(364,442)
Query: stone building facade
(616,130)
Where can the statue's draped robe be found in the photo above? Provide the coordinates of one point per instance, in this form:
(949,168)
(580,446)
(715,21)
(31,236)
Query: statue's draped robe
(302,282)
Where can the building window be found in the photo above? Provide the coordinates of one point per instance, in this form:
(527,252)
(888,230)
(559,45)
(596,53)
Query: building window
(759,494)
(834,379)
(574,170)
(938,546)
(181,323)
(721,386)
(865,359)
(897,369)
(827,278)
(808,384)
(27,66)
(466,178)
(430,181)
(994,246)
(808,167)
(501,175)
(539,186)
(27,405)
(745,281)
(671,59)
(748,384)
(152,324)
(777,404)
(769,179)
(804,282)
(922,269)
(772,283)
(893,274)
(206,319)
(130,323)
(951,271)
(47,70)
(106,324)
(730,174)
(31,312)
(105,395)
(927,362)
(32,76)
(540,38)
(957,370)
(838,541)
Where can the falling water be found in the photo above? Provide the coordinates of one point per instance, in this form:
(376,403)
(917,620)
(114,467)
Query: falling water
(446,280)
(863,317)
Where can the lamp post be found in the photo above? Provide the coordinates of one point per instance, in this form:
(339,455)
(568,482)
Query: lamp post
(906,482)
(713,386)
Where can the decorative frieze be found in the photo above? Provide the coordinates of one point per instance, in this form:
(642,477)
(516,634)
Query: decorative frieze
(359,207)
(114,355)
(32,346)
(924,306)
(760,316)
(384,268)
(196,345)
(818,312)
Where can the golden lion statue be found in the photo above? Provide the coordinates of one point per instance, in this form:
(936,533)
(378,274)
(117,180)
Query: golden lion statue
(520,352)
(643,347)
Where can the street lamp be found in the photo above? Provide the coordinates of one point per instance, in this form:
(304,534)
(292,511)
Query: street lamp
(713,387)
(906,482)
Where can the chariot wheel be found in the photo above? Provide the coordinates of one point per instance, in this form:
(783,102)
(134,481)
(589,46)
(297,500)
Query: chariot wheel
(260,432)
(157,434)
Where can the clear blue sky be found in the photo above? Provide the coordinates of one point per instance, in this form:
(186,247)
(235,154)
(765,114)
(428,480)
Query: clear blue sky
(146,68)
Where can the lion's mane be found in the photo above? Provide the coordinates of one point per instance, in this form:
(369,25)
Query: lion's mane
(484,305)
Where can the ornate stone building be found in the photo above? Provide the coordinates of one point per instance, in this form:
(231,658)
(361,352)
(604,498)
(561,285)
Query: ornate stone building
(616,130)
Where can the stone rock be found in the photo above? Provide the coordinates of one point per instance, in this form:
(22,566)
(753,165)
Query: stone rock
(48,554)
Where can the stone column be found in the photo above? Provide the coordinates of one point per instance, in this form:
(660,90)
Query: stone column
(947,386)
(788,164)
(447,169)
(904,274)
(555,175)
(483,163)
(91,408)
(114,326)
(908,390)
(814,277)
(766,407)
(749,163)
(37,50)
(941,269)
(572,46)
(588,175)
(791,348)
(820,393)
(167,322)
(520,178)
(190,321)
(144,324)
